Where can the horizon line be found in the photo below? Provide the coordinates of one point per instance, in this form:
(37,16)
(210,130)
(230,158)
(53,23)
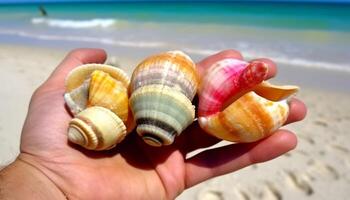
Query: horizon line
(189,1)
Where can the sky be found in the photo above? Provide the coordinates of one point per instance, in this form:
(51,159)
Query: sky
(29,1)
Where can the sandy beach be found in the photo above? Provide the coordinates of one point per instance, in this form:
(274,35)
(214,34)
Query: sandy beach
(319,168)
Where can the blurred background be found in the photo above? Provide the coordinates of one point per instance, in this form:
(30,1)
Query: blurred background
(309,40)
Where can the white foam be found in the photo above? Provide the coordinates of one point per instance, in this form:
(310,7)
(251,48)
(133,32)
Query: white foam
(298,62)
(76,24)
(109,41)
(313,64)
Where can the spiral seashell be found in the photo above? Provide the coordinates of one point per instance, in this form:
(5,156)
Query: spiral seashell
(162,88)
(100,106)
(96,128)
(235,104)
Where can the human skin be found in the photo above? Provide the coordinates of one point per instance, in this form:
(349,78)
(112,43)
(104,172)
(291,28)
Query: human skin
(49,167)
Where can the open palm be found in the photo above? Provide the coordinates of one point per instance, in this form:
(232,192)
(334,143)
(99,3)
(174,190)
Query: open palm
(133,170)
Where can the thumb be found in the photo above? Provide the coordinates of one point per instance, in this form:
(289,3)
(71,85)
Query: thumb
(73,59)
(47,113)
(53,87)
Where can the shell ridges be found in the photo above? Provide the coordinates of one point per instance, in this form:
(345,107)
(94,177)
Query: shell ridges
(161,111)
(97,96)
(105,131)
(107,92)
(235,104)
(162,88)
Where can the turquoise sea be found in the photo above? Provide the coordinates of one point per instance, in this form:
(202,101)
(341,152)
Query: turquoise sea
(311,16)
(304,35)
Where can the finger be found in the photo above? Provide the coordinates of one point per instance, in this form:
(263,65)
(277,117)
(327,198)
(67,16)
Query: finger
(272,67)
(297,109)
(227,159)
(207,62)
(73,59)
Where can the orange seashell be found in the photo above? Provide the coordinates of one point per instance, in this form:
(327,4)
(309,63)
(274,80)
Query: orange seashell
(109,93)
(235,104)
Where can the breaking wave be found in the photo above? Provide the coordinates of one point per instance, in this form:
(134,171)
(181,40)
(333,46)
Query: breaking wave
(75,24)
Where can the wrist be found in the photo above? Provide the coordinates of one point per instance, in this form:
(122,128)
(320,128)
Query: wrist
(21,180)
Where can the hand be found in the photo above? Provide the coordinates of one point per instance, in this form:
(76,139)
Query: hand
(132,170)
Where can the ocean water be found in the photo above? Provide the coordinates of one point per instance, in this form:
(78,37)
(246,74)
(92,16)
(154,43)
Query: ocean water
(308,35)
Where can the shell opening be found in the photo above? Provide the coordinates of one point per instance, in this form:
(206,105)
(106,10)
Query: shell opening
(152,139)
(154,135)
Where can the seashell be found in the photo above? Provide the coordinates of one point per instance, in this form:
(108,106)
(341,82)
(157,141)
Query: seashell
(79,74)
(109,93)
(96,128)
(162,88)
(235,104)
(274,92)
(78,81)
(173,69)
(100,105)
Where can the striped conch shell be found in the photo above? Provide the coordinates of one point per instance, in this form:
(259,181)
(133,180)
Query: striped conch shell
(162,88)
(236,104)
(97,96)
